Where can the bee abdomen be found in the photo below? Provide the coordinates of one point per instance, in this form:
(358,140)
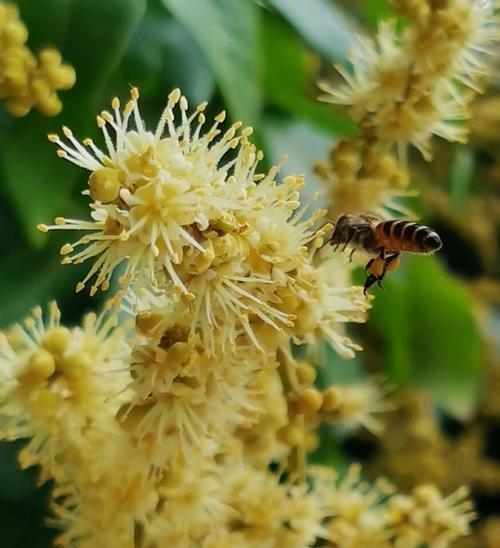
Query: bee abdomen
(407,236)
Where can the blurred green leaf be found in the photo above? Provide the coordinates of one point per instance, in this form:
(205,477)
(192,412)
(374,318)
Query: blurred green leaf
(163,55)
(228,34)
(96,48)
(30,168)
(302,142)
(289,79)
(375,10)
(430,335)
(462,169)
(339,371)
(30,278)
(47,21)
(390,317)
(321,23)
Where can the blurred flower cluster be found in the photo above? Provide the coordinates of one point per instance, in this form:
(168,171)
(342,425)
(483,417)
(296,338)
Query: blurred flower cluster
(180,415)
(406,87)
(25,80)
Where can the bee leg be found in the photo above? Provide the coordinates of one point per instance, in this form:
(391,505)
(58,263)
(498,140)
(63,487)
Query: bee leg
(348,240)
(370,280)
(379,283)
(350,256)
(368,265)
(391,262)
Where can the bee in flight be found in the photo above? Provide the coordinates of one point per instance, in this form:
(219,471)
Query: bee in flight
(385,240)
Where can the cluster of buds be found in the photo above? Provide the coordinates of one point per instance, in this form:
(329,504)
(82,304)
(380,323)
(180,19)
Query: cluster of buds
(26,81)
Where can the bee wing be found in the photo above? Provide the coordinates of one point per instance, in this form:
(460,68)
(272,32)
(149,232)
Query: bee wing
(370,218)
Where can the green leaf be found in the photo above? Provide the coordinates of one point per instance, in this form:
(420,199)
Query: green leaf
(462,169)
(163,55)
(321,23)
(228,34)
(30,278)
(430,335)
(391,318)
(36,181)
(375,10)
(289,79)
(95,48)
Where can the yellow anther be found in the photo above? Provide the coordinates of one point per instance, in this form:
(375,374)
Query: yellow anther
(67,132)
(79,287)
(53,137)
(100,121)
(62,153)
(134,94)
(220,117)
(115,103)
(107,116)
(66,248)
(42,228)
(174,96)
(60,221)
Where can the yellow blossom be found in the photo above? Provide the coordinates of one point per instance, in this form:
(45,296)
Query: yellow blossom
(404,89)
(55,380)
(184,401)
(234,244)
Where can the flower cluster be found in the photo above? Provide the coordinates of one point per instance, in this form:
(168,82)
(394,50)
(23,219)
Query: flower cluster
(158,420)
(25,81)
(403,89)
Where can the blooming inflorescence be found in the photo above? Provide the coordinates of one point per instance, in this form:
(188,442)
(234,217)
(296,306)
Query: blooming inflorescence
(159,419)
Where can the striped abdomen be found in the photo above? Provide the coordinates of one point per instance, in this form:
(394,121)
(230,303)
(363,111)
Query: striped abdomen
(407,236)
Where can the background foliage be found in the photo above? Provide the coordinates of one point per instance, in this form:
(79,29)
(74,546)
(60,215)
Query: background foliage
(260,61)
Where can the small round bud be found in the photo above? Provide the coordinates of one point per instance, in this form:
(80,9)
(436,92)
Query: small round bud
(310,401)
(42,364)
(105,184)
(332,399)
(306,373)
(57,339)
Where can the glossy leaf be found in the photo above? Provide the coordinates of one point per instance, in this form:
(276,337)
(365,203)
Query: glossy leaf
(321,23)
(290,79)
(430,335)
(227,32)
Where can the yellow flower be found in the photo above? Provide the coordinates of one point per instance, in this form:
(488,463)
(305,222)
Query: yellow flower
(153,191)
(357,405)
(185,402)
(56,380)
(404,89)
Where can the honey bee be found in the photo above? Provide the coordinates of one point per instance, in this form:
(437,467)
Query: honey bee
(383,239)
